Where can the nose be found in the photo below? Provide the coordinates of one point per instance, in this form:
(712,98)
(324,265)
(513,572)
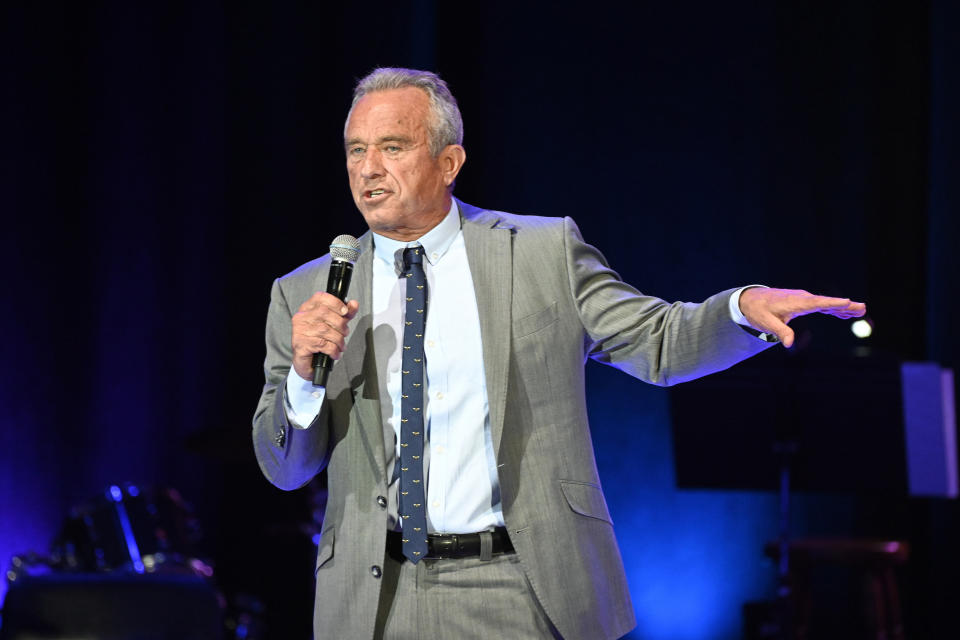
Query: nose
(371,167)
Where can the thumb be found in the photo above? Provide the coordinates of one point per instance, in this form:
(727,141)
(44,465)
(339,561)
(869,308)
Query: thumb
(780,329)
(786,336)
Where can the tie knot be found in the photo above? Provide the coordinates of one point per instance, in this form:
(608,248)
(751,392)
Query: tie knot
(412,256)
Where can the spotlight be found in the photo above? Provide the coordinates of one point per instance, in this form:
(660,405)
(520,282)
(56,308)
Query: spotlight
(862,328)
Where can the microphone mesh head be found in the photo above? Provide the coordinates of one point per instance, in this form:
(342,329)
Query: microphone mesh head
(345,249)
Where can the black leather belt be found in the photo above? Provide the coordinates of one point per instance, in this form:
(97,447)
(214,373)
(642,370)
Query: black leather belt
(453,545)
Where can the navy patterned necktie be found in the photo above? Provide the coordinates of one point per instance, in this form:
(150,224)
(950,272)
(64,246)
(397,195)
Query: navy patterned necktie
(412,490)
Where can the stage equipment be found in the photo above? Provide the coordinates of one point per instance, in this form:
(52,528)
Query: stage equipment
(785,420)
(132,529)
(111,606)
(126,564)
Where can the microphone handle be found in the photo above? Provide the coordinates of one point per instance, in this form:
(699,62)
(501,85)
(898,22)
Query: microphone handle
(338,283)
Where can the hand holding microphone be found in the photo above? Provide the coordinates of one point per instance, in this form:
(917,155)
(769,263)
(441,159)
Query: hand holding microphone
(319,327)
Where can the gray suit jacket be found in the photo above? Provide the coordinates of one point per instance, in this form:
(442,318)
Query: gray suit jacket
(547,302)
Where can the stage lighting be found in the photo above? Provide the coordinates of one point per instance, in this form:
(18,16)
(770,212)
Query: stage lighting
(862,328)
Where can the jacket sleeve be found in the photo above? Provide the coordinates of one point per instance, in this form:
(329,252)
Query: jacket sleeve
(288,455)
(653,340)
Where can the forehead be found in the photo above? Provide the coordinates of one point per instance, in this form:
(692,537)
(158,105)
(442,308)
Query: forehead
(390,112)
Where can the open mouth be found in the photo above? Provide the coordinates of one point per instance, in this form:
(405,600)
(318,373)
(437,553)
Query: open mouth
(375,194)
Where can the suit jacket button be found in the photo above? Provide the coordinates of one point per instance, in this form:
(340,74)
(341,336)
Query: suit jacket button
(382,502)
(280,438)
(375,571)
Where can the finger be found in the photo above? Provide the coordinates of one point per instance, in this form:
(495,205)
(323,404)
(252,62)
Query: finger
(338,315)
(773,324)
(852,310)
(307,348)
(330,348)
(324,315)
(856,309)
(352,307)
(323,300)
(326,325)
(328,335)
(822,303)
(312,302)
(333,303)
(310,335)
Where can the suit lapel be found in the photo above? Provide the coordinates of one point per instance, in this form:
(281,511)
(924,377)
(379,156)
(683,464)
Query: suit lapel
(360,360)
(490,255)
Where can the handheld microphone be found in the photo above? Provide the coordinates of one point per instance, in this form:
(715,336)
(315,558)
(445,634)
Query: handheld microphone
(344,250)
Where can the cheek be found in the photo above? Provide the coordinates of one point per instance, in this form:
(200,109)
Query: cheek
(416,177)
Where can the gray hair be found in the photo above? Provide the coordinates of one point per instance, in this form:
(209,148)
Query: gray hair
(445,126)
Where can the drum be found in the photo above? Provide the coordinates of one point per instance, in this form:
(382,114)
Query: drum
(143,530)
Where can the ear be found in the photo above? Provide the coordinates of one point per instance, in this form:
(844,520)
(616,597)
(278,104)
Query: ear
(451,160)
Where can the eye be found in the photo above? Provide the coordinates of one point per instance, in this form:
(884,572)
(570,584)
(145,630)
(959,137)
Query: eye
(392,148)
(355,152)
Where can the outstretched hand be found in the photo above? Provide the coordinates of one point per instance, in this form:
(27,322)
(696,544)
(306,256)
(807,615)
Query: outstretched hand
(770,310)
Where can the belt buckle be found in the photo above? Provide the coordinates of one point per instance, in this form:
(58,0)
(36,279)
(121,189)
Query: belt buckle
(443,546)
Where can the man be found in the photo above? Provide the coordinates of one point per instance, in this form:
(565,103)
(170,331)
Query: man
(494,405)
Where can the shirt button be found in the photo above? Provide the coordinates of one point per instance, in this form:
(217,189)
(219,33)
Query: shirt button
(431,343)
(436,503)
(375,571)
(434,255)
(316,394)
(440,450)
(382,502)
(440,395)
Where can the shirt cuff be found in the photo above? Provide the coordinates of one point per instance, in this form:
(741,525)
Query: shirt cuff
(737,316)
(302,400)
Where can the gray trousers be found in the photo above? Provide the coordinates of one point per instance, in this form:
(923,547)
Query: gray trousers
(459,598)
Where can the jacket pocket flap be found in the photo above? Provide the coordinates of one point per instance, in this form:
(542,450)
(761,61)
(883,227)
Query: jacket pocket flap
(535,321)
(586,499)
(325,551)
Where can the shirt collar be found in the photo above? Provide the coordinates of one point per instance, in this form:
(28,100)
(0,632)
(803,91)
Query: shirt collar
(435,242)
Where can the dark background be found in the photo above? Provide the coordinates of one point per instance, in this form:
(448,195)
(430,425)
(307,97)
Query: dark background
(161,163)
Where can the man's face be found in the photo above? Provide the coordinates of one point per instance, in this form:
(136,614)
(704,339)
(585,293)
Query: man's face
(399,187)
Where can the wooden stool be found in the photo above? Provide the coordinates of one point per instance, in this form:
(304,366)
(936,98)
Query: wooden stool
(875,559)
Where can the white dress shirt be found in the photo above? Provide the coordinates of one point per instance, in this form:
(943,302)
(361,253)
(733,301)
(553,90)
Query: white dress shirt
(460,467)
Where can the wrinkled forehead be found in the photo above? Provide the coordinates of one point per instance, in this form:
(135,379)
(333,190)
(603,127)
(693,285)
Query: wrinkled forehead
(403,111)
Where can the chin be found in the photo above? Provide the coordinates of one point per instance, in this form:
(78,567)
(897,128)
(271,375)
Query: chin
(378,220)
